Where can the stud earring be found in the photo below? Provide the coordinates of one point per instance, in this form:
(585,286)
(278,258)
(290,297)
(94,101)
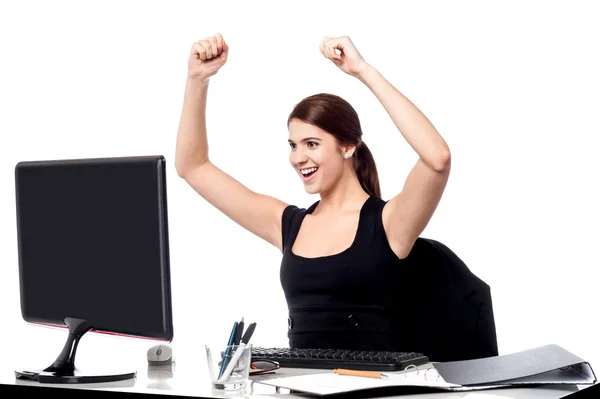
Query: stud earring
(347,155)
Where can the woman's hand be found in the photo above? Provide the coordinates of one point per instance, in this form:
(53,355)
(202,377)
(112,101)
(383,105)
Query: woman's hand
(207,57)
(349,60)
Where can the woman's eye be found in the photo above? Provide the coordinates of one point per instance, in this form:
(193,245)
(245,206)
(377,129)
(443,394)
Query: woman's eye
(312,144)
(292,145)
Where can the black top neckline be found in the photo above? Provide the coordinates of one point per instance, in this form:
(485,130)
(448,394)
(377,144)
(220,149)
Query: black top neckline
(345,251)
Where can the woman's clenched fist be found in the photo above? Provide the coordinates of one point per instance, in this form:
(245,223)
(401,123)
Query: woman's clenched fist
(207,57)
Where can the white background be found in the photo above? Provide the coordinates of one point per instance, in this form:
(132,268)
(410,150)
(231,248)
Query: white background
(512,87)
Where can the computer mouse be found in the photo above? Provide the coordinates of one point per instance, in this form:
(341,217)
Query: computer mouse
(159,355)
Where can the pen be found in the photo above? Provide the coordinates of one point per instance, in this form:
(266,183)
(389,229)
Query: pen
(240,330)
(358,373)
(238,353)
(234,331)
(249,332)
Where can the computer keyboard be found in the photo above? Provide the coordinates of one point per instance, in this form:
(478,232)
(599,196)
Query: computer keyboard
(339,358)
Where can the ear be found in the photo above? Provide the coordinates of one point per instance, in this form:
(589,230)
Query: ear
(348,149)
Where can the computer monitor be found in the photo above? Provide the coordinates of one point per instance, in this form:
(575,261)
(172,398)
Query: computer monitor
(93,253)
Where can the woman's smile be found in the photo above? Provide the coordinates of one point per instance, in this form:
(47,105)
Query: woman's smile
(308,173)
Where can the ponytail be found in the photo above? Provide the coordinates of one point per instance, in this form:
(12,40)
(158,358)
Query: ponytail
(366,170)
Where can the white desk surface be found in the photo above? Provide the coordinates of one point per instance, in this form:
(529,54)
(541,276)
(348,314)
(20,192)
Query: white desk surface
(189,377)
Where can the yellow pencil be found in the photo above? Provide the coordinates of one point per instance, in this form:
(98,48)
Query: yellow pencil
(359,373)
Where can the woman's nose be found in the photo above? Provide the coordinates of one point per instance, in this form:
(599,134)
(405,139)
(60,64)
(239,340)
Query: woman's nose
(298,157)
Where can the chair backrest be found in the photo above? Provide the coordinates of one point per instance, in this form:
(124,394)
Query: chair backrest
(442,309)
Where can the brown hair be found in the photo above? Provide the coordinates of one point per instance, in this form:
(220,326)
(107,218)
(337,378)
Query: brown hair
(337,117)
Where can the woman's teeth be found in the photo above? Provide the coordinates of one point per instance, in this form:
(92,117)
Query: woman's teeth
(308,171)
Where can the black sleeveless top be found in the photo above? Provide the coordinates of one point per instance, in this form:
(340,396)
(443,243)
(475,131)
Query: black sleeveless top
(344,300)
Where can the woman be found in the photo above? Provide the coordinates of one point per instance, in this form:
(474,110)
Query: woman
(340,254)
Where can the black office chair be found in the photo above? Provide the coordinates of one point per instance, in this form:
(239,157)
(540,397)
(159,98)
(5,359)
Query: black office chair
(443,309)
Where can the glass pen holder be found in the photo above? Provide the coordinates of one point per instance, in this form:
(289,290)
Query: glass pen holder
(223,375)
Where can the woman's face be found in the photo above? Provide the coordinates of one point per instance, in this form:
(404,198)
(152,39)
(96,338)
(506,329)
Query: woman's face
(315,155)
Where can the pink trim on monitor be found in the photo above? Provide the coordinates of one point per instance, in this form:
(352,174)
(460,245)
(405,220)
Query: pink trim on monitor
(99,332)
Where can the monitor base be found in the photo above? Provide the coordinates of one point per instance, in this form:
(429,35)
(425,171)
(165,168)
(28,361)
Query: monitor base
(63,370)
(76,377)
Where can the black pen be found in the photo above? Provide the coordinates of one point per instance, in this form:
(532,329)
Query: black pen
(248,333)
(239,332)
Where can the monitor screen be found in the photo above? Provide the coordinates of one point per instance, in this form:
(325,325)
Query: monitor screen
(93,244)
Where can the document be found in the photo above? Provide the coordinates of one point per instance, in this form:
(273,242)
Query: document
(548,364)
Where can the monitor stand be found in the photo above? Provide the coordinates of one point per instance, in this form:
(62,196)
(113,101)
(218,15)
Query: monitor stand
(63,369)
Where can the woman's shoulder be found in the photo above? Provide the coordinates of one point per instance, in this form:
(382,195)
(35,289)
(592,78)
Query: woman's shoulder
(293,214)
(374,205)
(292,210)
(380,202)
(291,221)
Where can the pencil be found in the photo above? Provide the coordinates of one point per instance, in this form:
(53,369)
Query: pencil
(359,373)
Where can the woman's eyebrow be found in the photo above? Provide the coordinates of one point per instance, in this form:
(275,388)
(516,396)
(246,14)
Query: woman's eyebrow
(306,139)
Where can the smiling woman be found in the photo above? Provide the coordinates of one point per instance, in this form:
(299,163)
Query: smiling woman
(324,131)
(342,255)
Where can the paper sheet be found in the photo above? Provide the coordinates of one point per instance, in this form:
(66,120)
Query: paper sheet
(331,383)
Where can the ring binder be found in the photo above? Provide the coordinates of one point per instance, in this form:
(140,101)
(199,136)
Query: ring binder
(432,368)
(417,371)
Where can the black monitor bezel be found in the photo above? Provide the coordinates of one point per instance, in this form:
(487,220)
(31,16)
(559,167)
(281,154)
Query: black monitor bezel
(160,163)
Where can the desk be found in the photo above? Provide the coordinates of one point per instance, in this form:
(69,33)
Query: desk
(191,379)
